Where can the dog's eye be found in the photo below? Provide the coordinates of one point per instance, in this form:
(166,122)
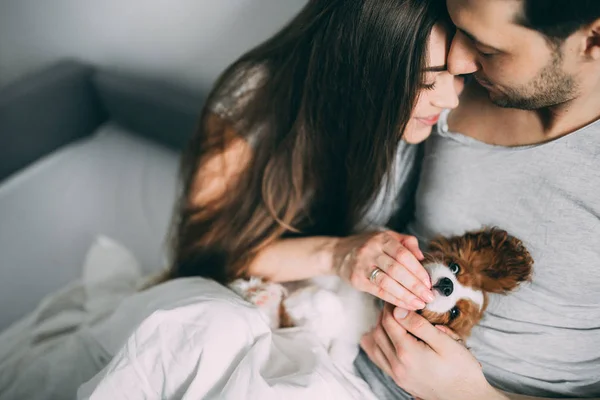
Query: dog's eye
(454,313)
(454,268)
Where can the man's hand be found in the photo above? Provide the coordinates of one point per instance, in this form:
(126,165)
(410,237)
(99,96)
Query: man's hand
(430,365)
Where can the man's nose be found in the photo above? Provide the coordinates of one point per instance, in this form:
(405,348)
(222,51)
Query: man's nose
(462,59)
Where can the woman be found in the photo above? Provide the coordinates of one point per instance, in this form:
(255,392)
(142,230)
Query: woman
(308,139)
(307,147)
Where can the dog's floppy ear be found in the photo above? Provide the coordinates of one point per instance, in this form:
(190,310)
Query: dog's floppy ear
(506,261)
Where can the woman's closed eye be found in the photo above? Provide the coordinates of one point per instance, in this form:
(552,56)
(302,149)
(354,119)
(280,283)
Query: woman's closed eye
(428,86)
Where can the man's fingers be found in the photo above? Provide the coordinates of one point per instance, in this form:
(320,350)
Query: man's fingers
(420,328)
(384,343)
(448,332)
(395,331)
(381,361)
(375,353)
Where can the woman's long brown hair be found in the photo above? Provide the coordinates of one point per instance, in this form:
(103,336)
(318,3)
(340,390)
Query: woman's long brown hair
(341,80)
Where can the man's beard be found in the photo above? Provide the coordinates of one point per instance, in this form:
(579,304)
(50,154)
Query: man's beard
(552,86)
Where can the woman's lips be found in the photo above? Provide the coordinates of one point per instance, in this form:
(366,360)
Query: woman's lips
(431,120)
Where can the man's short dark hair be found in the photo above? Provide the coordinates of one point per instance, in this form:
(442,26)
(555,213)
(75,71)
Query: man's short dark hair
(558,19)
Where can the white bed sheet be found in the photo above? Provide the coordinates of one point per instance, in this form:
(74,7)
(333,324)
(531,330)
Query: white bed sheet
(185,339)
(200,340)
(52,351)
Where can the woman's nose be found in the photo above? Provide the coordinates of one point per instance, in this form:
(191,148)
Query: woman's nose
(447,95)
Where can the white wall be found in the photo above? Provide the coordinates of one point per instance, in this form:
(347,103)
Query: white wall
(184,41)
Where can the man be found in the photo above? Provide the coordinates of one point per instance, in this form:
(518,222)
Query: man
(521,152)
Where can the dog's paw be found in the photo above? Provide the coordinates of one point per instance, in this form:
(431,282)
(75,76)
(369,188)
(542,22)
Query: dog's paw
(267,296)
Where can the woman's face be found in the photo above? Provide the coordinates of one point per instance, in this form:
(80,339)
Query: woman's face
(441,88)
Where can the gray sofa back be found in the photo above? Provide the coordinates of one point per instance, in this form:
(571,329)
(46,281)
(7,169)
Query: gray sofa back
(107,148)
(43,112)
(48,109)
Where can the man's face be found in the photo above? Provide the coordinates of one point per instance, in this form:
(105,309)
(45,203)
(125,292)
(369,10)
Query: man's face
(517,66)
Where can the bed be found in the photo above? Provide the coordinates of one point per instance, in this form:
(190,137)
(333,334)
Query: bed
(88,176)
(84,152)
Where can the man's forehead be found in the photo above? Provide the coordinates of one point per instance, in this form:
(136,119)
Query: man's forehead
(486,21)
(485,14)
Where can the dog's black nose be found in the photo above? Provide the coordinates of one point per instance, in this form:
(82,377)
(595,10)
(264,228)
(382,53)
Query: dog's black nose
(444,286)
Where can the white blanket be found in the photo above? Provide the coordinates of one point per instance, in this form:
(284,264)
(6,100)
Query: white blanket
(52,351)
(202,341)
(185,339)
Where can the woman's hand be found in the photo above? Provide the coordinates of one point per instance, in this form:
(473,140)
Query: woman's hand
(385,264)
(429,363)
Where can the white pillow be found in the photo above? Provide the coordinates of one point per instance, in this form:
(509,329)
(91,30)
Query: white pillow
(106,259)
(110,273)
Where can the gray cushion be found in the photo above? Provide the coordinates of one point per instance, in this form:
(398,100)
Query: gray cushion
(45,111)
(157,111)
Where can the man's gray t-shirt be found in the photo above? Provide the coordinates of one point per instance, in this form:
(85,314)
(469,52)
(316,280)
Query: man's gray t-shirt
(544,339)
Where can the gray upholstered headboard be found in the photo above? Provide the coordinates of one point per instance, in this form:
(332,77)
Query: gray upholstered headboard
(66,101)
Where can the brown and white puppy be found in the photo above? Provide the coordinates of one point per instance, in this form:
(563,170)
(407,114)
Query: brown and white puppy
(465,269)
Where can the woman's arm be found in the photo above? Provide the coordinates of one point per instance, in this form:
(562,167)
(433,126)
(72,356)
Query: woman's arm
(403,280)
(289,260)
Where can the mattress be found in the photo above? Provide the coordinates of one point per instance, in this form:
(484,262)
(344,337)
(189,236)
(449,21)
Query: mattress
(113,183)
